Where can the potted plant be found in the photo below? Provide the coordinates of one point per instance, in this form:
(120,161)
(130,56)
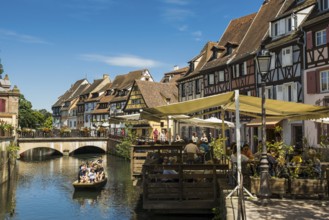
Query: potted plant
(278,169)
(306,175)
(217,146)
(65,131)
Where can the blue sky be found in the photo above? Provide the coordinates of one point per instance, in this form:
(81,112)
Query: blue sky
(47,45)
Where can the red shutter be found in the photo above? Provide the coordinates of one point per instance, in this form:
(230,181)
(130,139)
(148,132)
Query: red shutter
(327,34)
(2,105)
(317,81)
(309,40)
(311,82)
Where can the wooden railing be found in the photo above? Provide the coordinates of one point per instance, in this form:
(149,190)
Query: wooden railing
(194,187)
(139,154)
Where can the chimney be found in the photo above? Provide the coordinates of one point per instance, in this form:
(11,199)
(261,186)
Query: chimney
(176,67)
(105,76)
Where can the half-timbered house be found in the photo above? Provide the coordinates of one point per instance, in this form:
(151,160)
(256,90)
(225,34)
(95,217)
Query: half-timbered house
(316,77)
(284,80)
(61,107)
(148,94)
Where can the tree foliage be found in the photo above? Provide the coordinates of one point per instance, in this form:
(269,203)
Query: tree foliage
(29,118)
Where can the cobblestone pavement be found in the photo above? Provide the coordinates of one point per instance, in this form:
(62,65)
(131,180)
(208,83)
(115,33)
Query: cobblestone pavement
(292,209)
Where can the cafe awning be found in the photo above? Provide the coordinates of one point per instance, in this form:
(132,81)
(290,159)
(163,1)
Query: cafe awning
(207,123)
(248,105)
(270,122)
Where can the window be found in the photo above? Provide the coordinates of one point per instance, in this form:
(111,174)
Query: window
(324,83)
(276,29)
(241,69)
(321,37)
(236,70)
(324,4)
(221,76)
(287,56)
(135,101)
(229,50)
(183,90)
(190,88)
(288,25)
(211,79)
(197,86)
(118,105)
(268,92)
(289,92)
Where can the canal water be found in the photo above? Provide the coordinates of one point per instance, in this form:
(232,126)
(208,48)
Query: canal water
(42,189)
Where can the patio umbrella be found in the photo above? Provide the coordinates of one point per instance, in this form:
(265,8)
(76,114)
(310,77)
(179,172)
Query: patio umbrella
(219,121)
(105,124)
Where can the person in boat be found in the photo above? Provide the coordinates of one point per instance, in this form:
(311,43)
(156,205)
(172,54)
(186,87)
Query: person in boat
(82,172)
(83,178)
(99,172)
(99,160)
(92,175)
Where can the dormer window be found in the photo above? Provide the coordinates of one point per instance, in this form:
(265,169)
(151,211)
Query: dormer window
(283,26)
(108,92)
(191,66)
(229,50)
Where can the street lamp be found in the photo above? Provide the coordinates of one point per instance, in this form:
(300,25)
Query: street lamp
(263,62)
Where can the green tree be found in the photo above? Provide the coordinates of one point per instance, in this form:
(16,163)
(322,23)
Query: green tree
(48,122)
(25,116)
(29,118)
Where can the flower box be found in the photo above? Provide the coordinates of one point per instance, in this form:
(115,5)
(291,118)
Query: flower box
(308,187)
(278,186)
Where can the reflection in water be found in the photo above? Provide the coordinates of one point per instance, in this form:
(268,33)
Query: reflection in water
(7,198)
(44,191)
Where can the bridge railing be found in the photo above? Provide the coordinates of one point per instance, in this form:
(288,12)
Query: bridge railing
(32,133)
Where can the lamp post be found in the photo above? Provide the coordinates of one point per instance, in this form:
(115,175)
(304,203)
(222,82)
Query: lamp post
(263,61)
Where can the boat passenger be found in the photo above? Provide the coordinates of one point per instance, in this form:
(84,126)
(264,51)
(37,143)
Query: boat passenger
(92,175)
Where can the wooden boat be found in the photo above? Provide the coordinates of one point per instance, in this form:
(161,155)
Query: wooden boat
(90,186)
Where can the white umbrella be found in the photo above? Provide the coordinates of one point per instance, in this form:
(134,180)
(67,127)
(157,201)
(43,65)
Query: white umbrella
(105,124)
(219,121)
(322,120)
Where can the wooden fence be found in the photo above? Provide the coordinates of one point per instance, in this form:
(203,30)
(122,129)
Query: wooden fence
(139,154)
(193,189)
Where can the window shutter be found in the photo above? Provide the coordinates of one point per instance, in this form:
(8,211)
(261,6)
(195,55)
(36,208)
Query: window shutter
(282,27)
(317,81)
(294,92)
(285,93)
(309,40)
(260,92)
(289,56)
(2,105)
(311,82)
(272,60)
(279,92)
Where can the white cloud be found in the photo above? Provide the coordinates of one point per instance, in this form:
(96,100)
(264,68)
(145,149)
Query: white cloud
(177,2)
(197,35)
(21,37)
(122,60)
(176,14)
(183,28)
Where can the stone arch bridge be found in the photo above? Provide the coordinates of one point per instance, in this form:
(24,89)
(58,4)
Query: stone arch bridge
(67,144)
